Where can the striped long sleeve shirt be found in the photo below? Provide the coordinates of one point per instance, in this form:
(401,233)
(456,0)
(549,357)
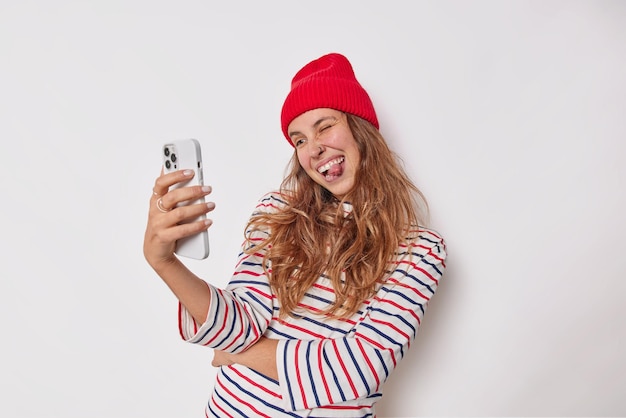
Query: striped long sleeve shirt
(328,367)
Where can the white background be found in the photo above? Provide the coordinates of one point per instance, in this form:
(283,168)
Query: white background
(509,115)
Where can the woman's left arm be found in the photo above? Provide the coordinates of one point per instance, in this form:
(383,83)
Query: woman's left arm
(330,371)
(260,357)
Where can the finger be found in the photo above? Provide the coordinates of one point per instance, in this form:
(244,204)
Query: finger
(188,216)
(187,194)
(184,195)
(160,207)
(163,183)
(165,231)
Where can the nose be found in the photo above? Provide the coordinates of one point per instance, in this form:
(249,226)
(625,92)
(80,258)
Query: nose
(317,148)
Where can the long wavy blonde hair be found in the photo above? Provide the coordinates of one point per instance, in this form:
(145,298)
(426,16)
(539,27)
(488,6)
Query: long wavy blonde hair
(386,208)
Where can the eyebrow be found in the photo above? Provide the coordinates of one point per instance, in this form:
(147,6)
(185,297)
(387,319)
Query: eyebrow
(315,125)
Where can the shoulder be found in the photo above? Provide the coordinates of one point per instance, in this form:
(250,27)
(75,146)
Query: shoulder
(270,202)
(427,242)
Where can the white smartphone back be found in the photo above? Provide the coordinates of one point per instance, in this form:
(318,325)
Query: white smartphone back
(181,155)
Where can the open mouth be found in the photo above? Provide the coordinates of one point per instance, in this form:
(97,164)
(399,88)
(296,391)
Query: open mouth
(332,169)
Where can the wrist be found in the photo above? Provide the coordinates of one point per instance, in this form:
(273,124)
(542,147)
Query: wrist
(160,264)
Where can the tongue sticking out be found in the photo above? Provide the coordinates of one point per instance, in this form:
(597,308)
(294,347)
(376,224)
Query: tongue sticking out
(335,171)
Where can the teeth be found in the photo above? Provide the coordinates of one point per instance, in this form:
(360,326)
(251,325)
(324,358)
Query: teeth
(329,164)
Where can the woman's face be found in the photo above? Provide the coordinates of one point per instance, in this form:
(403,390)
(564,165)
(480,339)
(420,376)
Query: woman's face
(326,149)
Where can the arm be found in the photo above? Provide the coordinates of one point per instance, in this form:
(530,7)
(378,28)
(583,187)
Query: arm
(238,315)
(330,371)
(163,231)
(260,357)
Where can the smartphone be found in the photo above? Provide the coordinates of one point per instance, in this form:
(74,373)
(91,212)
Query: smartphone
(181,155)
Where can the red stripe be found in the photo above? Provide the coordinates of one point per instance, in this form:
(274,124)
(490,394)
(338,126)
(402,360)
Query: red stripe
(402,308)
(258,291)
(236,339)
(225,316)
(180,321)
(319,311)
(301,329)
(221,409)
(429,232)
(414,265)
(379,346)
(369,363)
(326,288)
(432,254)
(255,384)
(249,273)
(393,327)
(253,323)
(181,325)
(247,256)
(406,286)
(345,370)
(266,205)
(298,376)
(322,374)
(241,401)
(427,274)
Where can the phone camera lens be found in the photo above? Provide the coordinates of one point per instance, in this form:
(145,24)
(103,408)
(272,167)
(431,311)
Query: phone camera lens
(168,165)
(173,157)
(167,152)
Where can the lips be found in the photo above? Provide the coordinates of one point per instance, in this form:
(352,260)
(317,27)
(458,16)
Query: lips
(330,164)
(332,169)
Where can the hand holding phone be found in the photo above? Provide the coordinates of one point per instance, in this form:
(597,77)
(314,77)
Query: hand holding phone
(182,155)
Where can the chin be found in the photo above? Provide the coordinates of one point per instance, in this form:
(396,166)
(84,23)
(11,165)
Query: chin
(339,192)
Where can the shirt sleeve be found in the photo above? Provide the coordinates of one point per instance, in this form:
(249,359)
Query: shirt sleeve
(322,372)
(239,314)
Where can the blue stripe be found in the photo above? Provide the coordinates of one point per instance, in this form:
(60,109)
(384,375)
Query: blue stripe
(261,304)
(406,274)
(264,377)
(323,325)
(311,378)
(275,331)
(211,409)
(250,263)
(233,381)
(286,368)
(430,240)
(405,297)
(318,298)
(399,317)
(273,197)
(335,378)
(246,282)
(434,266)
(356,364)
(232,327)
(382,362)
(259,326)
(223,399)
(217,309)
(243,342)
(383,335)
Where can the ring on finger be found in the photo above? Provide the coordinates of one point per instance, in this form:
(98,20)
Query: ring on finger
(159,205)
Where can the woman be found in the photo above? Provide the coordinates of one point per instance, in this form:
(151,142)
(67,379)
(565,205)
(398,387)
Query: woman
(334,275)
